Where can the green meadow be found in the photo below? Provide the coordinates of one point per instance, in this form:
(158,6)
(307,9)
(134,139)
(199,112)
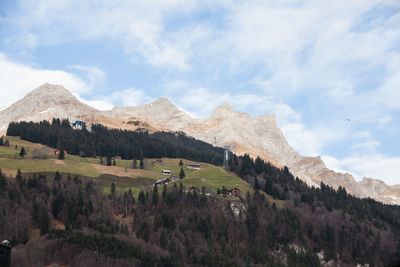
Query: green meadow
(122,175)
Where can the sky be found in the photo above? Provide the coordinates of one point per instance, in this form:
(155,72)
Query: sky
(329,70)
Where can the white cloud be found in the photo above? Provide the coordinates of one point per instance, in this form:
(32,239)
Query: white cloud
(123,98)
(129,97)
(98,104)
(138,26)
(334,164)
(366,147)
(18,79)
(373,165)
(202,101)
(315,48)
(366,161)
(95,76)
(329,56)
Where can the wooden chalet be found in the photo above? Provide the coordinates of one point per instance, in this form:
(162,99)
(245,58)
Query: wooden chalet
(158,162)
(193,166)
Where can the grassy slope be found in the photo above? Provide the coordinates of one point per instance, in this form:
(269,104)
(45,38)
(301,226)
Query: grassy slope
(210,176)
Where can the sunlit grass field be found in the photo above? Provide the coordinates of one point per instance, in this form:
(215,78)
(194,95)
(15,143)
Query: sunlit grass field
(123,175)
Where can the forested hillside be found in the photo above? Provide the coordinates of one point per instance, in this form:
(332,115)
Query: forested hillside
(346,228)
(172,227)
(68,220)
(105,142)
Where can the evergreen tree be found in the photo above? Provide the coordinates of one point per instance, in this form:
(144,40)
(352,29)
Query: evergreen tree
(252,220)
(246,165)
(57,177)
(57,205)
(108,161)
(142,163)
(18,177)
(164,191)
(44,221)
(181,163)
(61,154)
(268,186)
(114,163)
(258,165)
(182,173)
(1,141)
(141,197)
(256,184)
(77,180)
(112,188)
(35,212)
(22,152)
(155,195)
(3,182)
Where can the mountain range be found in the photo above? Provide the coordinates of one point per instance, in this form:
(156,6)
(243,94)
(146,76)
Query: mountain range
(236,131)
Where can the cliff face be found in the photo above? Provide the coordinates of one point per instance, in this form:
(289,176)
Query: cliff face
(258,136)
(239,132)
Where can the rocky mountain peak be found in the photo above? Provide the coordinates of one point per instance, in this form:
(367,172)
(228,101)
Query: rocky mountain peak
(163,101)
(46,102)
(161,112)
(50,90)
(226,111)
(223,109)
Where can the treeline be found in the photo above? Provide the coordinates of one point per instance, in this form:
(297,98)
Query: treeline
(104,142)
(346,228)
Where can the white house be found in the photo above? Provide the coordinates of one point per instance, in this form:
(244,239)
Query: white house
(78,125)
(166,172)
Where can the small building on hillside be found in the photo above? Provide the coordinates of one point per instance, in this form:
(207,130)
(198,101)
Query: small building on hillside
(235,192)
(141,130)
(57,152)
(166,172)
(193,166)
(162,181)
(229,192)
(158,162)
(78,125)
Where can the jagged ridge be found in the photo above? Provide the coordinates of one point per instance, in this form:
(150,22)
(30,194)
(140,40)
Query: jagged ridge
(258,136)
